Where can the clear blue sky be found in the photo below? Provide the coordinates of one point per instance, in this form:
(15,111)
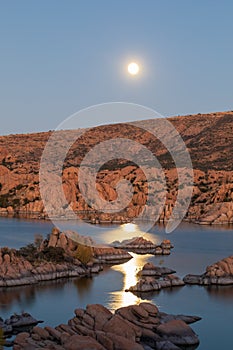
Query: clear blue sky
(57,57)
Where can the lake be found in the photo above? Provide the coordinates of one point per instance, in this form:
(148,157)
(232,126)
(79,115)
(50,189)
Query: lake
(195,247)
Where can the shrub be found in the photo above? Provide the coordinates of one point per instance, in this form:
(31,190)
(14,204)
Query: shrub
(5,250)
(16,202)
(26,201)
(84,253)
(50,254)
(227,199)
(29,252)
(19,187)
(53,254)
(4,202)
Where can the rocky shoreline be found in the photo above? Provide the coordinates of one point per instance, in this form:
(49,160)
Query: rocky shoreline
(135,327)
(45,272)
(213,219)
(219,273)
(59,256)
(154,278)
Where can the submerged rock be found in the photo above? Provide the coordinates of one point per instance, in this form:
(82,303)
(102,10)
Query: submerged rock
(135,327)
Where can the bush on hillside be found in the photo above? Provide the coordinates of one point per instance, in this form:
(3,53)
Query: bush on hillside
(84,253)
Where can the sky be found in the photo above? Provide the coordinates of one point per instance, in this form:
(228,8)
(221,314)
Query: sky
(57,57)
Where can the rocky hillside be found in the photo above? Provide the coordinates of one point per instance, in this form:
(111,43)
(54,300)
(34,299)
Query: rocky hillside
(207,136)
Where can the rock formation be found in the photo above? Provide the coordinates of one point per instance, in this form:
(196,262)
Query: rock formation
(15,325)
(207,136)
(16,270)
(220,273)
(134,327)
(150,269)
(153,278)
(70,241)
(57,257)
(140,245)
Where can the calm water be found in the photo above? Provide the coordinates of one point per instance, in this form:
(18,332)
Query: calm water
(195,248)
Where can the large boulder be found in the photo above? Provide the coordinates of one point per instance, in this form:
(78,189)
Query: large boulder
(121,327)
(100,314)
(178,333)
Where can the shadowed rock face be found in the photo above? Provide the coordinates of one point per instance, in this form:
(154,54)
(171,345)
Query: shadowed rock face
(16,324)
(207,136)
(220,273)
(134,327)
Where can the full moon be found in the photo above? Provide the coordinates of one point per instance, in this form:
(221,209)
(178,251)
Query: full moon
(133,68)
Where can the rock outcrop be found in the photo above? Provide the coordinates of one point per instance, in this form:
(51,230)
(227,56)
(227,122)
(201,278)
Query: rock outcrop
(154,278)
(58,256)
(110,255)
(150,269)
(70,241)
(15,325)
(140,245)
(220,273)
(134,327)
(16,270)
(207,137)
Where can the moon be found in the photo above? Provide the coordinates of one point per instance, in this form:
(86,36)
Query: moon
(133,68)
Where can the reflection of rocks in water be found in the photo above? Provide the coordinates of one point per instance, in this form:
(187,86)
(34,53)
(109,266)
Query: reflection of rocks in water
(27,294)
(19,295)
(150,295)
(84,285)
(220,292)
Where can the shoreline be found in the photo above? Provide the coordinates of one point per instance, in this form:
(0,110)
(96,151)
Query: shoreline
(37,216)
(66,272)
